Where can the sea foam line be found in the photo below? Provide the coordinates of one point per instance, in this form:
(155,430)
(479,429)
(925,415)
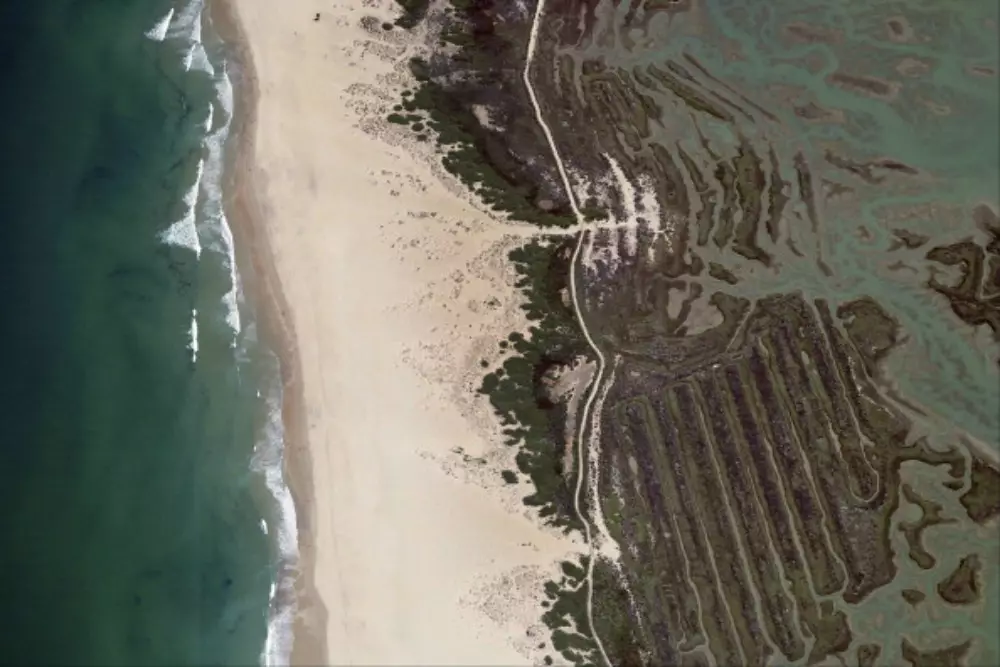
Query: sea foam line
(204,223)
(268,460)
(184,232)
(159,30)
(187,27)
(207,190)
(193,334)
(269,451)
(212,195)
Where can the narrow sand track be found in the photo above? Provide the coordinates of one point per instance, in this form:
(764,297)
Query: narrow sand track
(595,386)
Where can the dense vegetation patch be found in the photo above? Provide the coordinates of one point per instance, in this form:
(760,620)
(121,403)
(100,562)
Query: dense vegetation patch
(413,12)
(485,157)
(531,422)
(441,106)
(471,152)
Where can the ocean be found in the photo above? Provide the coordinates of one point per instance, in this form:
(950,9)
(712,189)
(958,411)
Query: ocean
(142,506)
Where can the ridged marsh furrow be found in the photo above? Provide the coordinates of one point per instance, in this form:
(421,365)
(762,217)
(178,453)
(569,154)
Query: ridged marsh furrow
(779,515)
(808,419)
(859,530)
(639,438)
(689,94)
(732,91)
(654,595)
(882,427)
(705,194)
(675,192)
(650,631)
(618,109)
(767,576)
(827,574)
(680,545)
(709,94)
(828,472)
(750,182)
(862,480)
(726,177)
(806,190)
(714,615)
(714,517)
(778,198)
(841,396)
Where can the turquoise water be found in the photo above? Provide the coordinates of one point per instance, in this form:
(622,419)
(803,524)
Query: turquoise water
(133,504)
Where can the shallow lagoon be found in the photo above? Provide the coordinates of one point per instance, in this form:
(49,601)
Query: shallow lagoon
(892,109)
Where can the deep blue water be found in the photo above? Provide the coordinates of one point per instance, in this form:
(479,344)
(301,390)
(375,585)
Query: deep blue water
(130,518)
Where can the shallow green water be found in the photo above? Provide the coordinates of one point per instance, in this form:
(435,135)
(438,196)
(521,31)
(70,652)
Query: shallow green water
(942,120)
(131,533)
(909,81)
(939,116)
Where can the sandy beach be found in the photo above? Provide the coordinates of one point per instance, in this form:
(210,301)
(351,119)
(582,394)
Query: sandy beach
(388,288)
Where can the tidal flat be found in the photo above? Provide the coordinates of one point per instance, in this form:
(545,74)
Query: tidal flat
(794,272)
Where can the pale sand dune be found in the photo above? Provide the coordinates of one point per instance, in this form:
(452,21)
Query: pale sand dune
(391,313)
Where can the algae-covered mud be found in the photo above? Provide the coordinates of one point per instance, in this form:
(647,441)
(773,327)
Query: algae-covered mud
(789,281)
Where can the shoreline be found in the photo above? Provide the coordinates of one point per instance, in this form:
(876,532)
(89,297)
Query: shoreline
(246,211)
(415,556)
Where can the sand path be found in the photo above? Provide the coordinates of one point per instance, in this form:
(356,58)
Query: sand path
(583,475)
(395,290)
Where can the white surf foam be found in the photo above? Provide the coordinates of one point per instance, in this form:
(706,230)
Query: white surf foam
(159,30)
(268,460)
(231,299)
(212,195)
(193,332)
(184,232)
(186,28)
(215,235)
(197,59)
(187,22)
